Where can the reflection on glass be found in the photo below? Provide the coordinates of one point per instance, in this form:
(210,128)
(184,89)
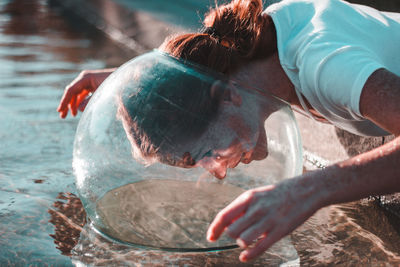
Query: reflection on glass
(155,136)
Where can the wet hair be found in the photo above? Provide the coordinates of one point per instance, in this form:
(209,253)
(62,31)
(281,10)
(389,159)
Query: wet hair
(231,35)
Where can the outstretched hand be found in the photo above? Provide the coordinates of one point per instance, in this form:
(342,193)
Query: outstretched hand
(262,216)
(77,93)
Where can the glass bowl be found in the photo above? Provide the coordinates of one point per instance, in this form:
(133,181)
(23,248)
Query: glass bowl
(167,202)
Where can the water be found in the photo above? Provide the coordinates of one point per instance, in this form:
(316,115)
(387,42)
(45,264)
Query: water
(42,222)
(40,53)
(166,214)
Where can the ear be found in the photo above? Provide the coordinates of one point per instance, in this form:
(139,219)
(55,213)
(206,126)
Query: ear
(228,93)
(235,97)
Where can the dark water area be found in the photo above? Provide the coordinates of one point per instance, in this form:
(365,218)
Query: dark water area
(42,221)
(41,51)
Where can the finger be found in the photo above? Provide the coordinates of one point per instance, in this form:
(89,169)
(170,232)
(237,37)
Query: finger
(251,217)
(63,106)
(72,106)
(74,88)
(64,101)
(261,246)
(252,233)
(83,104)
(81,97)
(226,216)
(255,213)
(63,113)
(71,90)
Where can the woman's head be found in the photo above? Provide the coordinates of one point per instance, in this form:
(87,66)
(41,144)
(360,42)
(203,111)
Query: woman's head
(178,116)
(236,135)
(163,119)
(170,106)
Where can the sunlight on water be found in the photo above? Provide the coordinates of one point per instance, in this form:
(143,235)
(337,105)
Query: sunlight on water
(41,50)
(39,55)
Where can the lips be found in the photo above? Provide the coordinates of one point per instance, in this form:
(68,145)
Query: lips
(260,154)
(246,157)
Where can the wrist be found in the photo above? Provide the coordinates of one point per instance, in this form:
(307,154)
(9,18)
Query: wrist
(335,185)
(312,190)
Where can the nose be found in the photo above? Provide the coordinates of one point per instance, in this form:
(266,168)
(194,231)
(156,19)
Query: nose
(216,167)
(219,173)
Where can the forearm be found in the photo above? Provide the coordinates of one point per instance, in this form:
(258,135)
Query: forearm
(379,100)
(372,173)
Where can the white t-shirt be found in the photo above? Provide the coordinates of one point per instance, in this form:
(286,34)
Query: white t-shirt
(329,48)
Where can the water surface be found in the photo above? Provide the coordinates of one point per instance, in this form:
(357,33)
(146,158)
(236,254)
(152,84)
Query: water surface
(40,53)
(42,222)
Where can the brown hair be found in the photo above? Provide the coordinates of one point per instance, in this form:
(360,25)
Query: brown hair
(235,38)
(167,112)
(232,35)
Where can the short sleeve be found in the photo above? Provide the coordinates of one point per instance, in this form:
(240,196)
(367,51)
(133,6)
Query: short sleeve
(336,75)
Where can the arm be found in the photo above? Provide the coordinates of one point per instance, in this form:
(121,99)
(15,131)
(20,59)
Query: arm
(269,213)
(380,100)
(75,94)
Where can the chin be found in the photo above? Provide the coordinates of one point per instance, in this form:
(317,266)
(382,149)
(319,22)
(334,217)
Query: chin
(261,156)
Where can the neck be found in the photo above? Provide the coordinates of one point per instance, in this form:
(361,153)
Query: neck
(267,44)
(271,76)
(265,72)
(268,76)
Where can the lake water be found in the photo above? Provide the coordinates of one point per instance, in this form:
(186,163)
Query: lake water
(42,222)
(41,51)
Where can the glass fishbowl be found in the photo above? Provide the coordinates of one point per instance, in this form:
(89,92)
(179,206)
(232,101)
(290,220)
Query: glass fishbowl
(164,144)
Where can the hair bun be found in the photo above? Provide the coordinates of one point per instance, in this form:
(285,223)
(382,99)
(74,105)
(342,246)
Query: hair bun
(239,23)
(231,35)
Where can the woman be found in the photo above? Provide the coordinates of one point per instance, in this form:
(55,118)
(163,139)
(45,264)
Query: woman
(337,62)
(182,114)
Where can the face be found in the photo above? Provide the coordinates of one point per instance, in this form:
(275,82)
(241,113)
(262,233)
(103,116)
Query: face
(218,160)
(236,136)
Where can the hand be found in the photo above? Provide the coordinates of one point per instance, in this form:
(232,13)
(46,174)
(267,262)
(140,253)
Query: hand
(77,93)
(264,215)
